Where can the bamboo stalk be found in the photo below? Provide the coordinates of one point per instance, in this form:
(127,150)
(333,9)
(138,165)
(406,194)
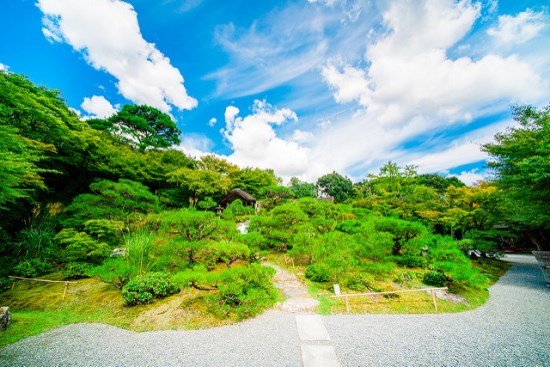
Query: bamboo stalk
(42,280)
(347,305)
(65,290)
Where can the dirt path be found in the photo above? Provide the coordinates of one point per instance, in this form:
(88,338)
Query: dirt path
(298,299)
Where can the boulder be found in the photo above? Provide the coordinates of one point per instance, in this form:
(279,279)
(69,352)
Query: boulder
(5,318)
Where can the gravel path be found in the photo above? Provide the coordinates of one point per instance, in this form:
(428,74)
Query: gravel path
(512,329)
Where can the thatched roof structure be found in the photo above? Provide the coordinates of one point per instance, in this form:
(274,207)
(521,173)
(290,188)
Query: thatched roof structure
(231,196)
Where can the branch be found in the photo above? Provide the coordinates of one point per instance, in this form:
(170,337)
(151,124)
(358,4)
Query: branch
(194,284)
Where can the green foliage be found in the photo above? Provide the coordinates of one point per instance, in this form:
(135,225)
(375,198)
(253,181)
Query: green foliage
(410,261)
(245,291)
(302,189)
(229,252)
(81,247)
(199,183)
(111,201)
(37,239)
(193,226)
(253,180)
(32,268)
(317,273)
(148,287)
(402,231)
(143,127)
(116,271)
(139,251)
(5,284)
(275,195)
(336,186)
(361,282)
(434,278)
(521,161)
(109,231)
(76,270)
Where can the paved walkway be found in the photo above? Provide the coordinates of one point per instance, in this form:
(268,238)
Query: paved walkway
(512,329)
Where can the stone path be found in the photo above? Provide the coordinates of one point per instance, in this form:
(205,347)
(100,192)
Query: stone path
(298,299)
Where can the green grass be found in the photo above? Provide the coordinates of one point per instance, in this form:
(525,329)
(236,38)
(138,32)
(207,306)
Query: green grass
(38,307)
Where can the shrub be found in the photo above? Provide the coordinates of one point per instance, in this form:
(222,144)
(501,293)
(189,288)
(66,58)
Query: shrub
(117,271)
(404,277)
(5,284)
(409,261)
(81,247)
(76,270)
(317,273)
(145,288)
(434,278)
(380,268)
(245,291)
(32,268)
(361,281)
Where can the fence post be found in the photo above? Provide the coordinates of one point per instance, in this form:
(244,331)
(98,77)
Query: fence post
(13,284)
(347,305)
(65,290)
(434,299)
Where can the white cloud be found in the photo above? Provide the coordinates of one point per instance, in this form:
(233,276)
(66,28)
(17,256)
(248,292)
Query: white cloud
(98,106)
(212,121)
(4,67)
(255,142)
(195,145)
(410,88)
(518,29)
(470,178)
(108,35)
(229,115)
(300,136)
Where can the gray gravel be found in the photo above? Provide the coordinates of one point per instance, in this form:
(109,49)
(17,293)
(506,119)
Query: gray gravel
(512,329)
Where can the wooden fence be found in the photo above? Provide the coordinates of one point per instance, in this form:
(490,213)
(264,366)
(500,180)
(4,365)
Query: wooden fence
(44,281)
(431,290)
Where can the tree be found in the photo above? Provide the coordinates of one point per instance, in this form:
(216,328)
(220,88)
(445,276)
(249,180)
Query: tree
(19,174)
(253,180)
(144,127)
(402,230)
(336,186)
(200,183)
(521,162)
(302,189)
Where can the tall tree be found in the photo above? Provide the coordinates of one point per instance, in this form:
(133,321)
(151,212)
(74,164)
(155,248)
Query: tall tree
(144,127)
(521,162)
(336,186)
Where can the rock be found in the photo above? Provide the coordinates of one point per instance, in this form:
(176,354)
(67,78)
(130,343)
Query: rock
(119,251)
(5,318)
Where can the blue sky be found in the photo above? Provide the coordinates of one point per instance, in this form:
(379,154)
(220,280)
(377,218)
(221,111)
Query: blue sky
(304,87)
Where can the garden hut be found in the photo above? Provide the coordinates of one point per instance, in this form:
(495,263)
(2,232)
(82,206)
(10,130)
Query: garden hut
(231,196)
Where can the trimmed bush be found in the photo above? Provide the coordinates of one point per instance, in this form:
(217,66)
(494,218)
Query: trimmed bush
(361,281)
(434,278)
(76,270)
(32,268)
(317,273)
(409,261)
(145,288)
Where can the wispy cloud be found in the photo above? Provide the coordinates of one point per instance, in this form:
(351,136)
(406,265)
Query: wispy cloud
(520,28)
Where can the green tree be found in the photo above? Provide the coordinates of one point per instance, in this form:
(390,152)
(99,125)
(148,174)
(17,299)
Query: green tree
(144,127)
(403,231)
(336,186)
(521,162)
(302,189)
(253,180)
(200,183)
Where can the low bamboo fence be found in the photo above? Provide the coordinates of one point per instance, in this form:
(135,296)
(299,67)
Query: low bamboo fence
(350,295)
(44,281)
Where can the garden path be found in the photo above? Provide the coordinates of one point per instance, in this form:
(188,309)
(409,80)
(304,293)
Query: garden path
(298,299)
